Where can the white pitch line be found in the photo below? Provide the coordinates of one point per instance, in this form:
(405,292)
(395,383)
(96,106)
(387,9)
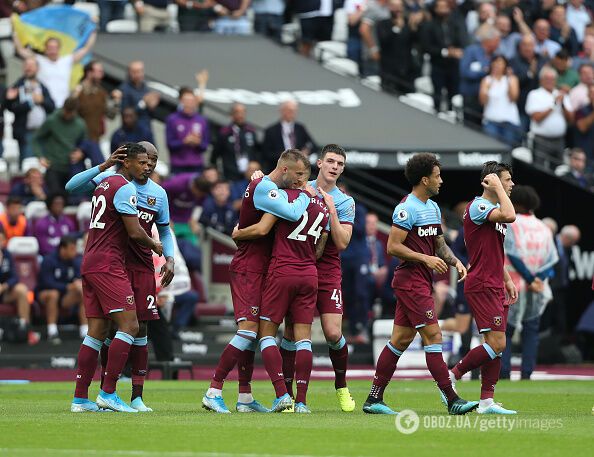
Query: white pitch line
(139,453)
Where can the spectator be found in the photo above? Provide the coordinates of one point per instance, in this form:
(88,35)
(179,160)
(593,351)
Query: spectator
(31,103)
(395,39)
(110,10)
(550,111)
(135,93)
(317,19)
(586,55)
(508,45)
(239,186)
(474,66)
(236,145)
(541,9)
(218,211)
(131,131)
(444,39)
(486,13)
(55,70)
(268,17)
(376,10)
(232,18)
(355,10)
(498,94)
(544,45)
(187,135)
(285,134)
(50,229)
(531,252)
(13,220)
(578,96)
(584,122)
(577,170)
(567,77)
(377,261)
(31,188)
(195,16)
(561,31)
(60,286)
(13,291)
(152,15)
(526,66)
(57,144)
(93,101)
(578,17)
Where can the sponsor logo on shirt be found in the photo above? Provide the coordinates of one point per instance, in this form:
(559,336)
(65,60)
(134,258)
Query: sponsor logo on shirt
(133,200)
(429,231)
(144,216)
(501,228)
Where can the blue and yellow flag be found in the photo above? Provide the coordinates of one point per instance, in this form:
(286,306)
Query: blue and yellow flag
(71,26)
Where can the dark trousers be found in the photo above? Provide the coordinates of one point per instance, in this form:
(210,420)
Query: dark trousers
(356,294)
(444,76)
(56,180)
(184,309)
(160,337)
(529,348)
(473,112)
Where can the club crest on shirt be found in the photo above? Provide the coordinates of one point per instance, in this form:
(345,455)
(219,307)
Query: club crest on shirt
(130,299)
(429,314)
(497,320)
(151,201)
(273,194)
(255,310)
(402,215)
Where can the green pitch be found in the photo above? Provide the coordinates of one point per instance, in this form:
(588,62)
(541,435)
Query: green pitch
(557,421)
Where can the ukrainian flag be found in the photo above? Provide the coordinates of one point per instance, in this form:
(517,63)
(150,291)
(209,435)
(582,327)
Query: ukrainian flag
(71,26)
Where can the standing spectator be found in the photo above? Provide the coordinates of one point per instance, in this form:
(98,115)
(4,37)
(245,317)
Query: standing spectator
(486,13)
(51,228)
(232,21)
(444,39)
(377,261)
(57,144)
(544,45)
(355,10)
(508,46)
(498,94)
(31,103)
(152,15)
(13,221)
(13,291)
(395,39)
(93,101)
(578,96)
(584,123)
(268,17)
(187,135)
(578,17)
(236,145)
(239,186)
(317,19)
(55,70)
(577,170)
(531,252)
(377,10)
(31,188)
(110,10)
(474,66)
(562,32)
(218,211)
(285,134)
(135,93)
(550,111)
(567,77)
(131,130)
(526,66)
(195,16)
(60,286)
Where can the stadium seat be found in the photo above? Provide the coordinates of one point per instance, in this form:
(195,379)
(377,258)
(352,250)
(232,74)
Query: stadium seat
(172,9)
(373,82)
(340,31)
(3,169)
(523,154)
(31,162)
(162,169)
(122,26)
(418,100)
(342,66)
(325,50)
(129,12)
(35,210)
(11,154)
(5,28)
(290,32)
(92,9)
(83,216)
(561,170)
(423,84)
(24,251)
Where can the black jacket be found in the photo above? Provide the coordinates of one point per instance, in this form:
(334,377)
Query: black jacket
(273,144)
(21,109)
(437,35)
(224,150)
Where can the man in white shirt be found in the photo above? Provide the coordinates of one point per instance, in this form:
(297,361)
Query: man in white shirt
(578,17)
(550,112)
(55,70)
(544,45)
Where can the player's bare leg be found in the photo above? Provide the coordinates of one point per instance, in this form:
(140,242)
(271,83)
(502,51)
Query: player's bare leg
(119,350)
(386,366)
(303,365)
(51,301)
(139,363)
(339,354)
(432,343)
(273,363)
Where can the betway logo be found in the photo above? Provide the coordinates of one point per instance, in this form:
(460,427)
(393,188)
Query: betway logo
(403,157)
(144,216)
(583,263)
(345,98)
(222,259)
(368,159)
(429,231)
(476,159)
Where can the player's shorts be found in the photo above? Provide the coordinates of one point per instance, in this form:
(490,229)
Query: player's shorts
(246,293)
(145,294)
(415,306)
(329,299)
(289,295)
(105,293)
(488,307)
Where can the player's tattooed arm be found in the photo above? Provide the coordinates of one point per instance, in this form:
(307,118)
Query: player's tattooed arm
(321,245)
(258,230)
(444,252)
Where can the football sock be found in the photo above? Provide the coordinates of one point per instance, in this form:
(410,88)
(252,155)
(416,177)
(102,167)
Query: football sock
(232,353)
(52,330)
(474,359)
(139,362)
(119,349)
(87,364)
(439,370)
(273,363)
(339,355)
(386,366)
(303,364)
(288,351)
(245,369)
(486,402)
(104,356)
(489,377)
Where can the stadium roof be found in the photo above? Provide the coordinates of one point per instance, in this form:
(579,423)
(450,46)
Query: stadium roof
(376,129)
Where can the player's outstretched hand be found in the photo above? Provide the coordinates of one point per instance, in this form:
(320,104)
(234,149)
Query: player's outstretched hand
(167,272)
(461,271)
(437,264)
(256,174)
(492,182)
(158,248)
(511,292)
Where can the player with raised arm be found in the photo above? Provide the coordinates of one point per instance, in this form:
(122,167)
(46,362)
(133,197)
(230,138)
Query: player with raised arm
(248,270)
(106,288)
(488,282)
(417,240)
(153,208)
